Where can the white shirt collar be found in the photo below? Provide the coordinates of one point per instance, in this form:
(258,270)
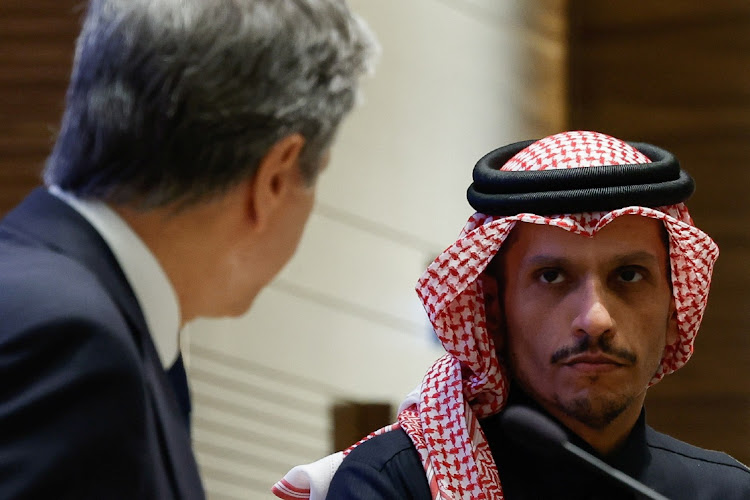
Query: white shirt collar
(153,290)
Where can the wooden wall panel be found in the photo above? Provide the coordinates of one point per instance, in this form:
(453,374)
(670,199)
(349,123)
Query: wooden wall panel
(352,420)
(36,51)
(677,73)
(544,104)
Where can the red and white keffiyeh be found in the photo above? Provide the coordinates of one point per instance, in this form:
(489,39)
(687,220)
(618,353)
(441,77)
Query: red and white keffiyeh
(469,383)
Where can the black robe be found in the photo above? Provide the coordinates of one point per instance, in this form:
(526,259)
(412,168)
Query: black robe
(388,467)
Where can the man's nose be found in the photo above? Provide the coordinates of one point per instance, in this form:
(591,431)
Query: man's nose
(593,315)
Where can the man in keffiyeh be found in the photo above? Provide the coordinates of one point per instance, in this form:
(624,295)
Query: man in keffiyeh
(580,282)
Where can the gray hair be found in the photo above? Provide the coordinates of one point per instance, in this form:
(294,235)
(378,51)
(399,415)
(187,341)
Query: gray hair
(178,100)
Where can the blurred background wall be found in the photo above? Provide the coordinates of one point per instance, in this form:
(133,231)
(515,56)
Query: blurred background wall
(344,315)
(457,78)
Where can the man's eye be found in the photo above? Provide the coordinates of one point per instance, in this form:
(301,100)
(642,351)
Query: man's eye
(551,276)
(630,275)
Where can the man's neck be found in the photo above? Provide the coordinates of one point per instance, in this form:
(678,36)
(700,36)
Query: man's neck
(190,251)
(606,440)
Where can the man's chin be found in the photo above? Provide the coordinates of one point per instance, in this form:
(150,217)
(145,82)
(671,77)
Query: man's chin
(596,412)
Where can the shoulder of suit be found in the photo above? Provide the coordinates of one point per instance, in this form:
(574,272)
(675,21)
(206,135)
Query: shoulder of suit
(693,456)
(383,450)
(40,286)
(43,273)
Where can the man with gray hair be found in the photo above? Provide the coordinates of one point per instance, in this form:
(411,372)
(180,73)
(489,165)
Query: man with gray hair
(180,183)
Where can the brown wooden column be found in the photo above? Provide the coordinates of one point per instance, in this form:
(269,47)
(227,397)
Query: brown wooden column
(353,420)
(675,73)
(36,51)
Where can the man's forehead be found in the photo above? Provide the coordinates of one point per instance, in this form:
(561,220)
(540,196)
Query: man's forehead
(628,235)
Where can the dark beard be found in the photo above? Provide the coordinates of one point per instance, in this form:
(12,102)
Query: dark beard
(582,410)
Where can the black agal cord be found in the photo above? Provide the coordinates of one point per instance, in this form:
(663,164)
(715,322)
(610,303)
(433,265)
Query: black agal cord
(575,190)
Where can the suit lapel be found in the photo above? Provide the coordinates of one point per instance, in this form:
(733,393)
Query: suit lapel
(185,477)
(59,227)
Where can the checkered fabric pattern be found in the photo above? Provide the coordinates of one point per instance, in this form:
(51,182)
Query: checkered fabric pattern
(469,383)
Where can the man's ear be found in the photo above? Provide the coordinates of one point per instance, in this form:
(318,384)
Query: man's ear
(277,173)
(672,330)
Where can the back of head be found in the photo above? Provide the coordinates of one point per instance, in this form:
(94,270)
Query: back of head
(178,100)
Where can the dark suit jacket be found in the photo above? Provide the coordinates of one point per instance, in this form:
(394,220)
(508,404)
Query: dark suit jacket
(86,410)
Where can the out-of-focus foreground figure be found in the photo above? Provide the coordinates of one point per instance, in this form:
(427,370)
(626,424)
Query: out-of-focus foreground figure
(179,185)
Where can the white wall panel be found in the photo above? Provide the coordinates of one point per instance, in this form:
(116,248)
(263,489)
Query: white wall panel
(343,320)
(442,96)
(350,355)
(356,268)
(263,385)
(493,11)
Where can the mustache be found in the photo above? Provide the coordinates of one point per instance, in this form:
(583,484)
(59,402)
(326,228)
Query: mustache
(602,344)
